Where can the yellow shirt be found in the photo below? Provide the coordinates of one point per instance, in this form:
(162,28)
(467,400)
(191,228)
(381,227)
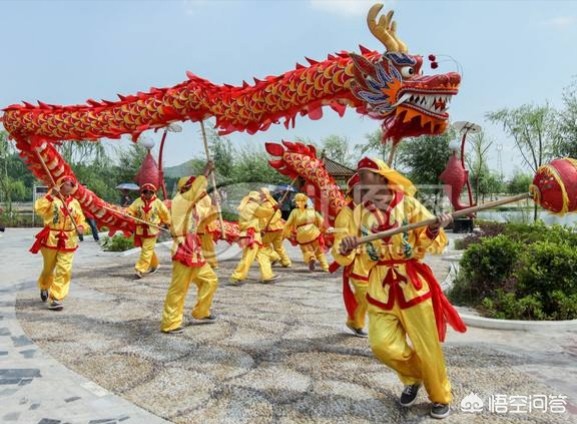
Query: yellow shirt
(344,227)
(154,212)
(307,223)
(206,214)
(389,260)
(58,226)
(251,217)
(184,222)
(275,223)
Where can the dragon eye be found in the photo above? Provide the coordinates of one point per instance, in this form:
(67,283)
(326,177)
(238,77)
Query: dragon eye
(407,71)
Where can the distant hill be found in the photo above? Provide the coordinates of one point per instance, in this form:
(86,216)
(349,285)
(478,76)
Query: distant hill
(190,167)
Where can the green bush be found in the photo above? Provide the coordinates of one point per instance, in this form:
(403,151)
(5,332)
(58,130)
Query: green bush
(486,265)
(118,243)
(528,272)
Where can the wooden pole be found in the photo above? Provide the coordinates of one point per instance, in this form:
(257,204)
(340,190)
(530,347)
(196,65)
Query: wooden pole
(58,193)
(142,221)
(462,212)
(213,178)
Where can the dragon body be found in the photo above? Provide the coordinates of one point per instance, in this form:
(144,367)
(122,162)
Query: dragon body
(388,87)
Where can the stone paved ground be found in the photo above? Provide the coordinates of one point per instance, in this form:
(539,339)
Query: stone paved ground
(276,354)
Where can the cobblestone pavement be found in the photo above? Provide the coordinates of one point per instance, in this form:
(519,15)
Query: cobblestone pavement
(277,353)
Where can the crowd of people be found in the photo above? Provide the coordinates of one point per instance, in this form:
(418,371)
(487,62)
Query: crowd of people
(384,279)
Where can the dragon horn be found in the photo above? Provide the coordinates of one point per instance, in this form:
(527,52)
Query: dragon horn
(385,29)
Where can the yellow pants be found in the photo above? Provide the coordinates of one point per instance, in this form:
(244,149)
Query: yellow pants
(312,251)
(274,247)
(424,362)
(56,273)
(147,259)
(249,254)
(208,250)
(360,289)
(206,282)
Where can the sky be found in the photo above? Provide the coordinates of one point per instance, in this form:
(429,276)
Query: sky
(510,53)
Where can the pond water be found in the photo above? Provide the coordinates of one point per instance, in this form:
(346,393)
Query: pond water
(569,219)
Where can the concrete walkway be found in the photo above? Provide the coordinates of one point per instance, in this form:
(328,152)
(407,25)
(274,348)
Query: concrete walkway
(276,354)
(35,387)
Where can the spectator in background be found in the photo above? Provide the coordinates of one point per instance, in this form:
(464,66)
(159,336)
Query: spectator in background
(92,222)
(2,228)
(125,199)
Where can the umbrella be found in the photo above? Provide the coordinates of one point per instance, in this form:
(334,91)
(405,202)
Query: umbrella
(128,186)
(285,187)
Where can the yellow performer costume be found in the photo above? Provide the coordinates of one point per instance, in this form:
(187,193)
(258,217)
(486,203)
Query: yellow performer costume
(207,217)
(308,224)
(188,263)
(272,232)
(404,297)
(151,209)
(57,241)
(356,272)
(251,215)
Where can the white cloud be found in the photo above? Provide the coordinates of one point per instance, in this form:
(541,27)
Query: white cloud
(344,7)
(561,22)
(191,6)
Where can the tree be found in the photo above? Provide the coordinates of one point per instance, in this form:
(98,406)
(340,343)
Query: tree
(336,147)
(425,158)
(478,163)
(566,143)
(252,166)
(222,153)
(519,183)
(534,130)
(374,146)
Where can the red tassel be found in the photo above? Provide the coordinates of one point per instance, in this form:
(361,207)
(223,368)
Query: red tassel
(348,295)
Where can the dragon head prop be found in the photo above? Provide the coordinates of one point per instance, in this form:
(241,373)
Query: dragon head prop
(395,90)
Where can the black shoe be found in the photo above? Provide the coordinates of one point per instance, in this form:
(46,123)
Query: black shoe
(312,265)
(177,330)
(209,318)
(80,237)
(44,295)
(440,410)
(55,305)
(409,395)
(271,280)
(358,332)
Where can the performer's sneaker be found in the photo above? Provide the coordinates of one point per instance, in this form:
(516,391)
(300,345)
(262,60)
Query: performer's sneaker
(55,305)
(312,265)
(44,295)
(234,282)
(440,410)
(176,330)
(153,269)
(138,275)
(358,332)
(210,318)
(409,395)
(271,280)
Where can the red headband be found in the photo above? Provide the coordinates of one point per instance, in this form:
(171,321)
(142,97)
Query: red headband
(367,163)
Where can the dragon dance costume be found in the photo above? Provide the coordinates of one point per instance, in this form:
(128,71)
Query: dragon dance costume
(404,298)
(57,241)
(307,223)
(188,263)
(152,210)
(207,217)
(252,214)
(272,232)
(355,273)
